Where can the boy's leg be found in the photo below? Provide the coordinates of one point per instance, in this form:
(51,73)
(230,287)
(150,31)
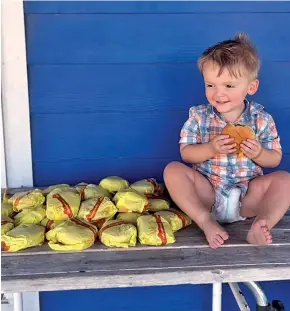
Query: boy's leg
(268,198)
(194,194)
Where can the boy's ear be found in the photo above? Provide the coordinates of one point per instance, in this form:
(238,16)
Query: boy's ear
(253,87)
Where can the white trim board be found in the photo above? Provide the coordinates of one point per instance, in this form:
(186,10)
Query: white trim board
(29,302)
(3,162)
(16,164)
(15,102)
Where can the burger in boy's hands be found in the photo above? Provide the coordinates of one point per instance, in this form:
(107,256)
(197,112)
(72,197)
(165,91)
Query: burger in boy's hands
(243,133)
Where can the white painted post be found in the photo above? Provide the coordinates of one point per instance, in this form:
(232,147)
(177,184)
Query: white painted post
(17,302)
(3,161)
(217,296)
(15,101)
(16,167)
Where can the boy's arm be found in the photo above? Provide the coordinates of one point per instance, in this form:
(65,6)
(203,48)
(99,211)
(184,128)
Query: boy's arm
(262,156)
(266,149)
(269,158)
(197,153)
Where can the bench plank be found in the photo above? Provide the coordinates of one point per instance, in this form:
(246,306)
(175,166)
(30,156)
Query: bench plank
(144,268)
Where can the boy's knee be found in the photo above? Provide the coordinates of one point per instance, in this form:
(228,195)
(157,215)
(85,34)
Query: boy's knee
(171,169)
(283,176)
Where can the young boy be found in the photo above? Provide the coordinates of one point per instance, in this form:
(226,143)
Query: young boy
(221,186)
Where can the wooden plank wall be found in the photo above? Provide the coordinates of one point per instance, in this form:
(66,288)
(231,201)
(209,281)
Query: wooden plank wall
(111,83)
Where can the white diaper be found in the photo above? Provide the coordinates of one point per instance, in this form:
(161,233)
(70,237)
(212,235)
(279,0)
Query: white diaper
(227,209)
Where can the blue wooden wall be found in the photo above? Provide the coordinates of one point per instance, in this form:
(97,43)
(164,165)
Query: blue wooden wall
(110,85)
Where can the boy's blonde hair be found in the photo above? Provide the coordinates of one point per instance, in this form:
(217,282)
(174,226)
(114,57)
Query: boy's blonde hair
(232,55)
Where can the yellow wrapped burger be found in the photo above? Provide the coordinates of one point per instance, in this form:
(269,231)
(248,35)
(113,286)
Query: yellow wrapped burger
(6,224)
(89,191)
(50,224)
(6,208)
(114,184)
(30,216)
(147,186)
(58,186)
(97,208)
(115,233)
(154,230)
(176,219)
(129,217)
(130,201)
(73,234)
(22,237)
(62,204)
(27,199)
(156,205)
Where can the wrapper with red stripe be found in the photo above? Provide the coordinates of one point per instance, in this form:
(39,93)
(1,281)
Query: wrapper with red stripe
(50,224)
(148,186)
(73,234)
(26,199)
(62,205)
(97,208)
(22,237)
(175,218)
(154,230)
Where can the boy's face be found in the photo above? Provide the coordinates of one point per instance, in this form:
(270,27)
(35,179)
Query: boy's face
(226,92)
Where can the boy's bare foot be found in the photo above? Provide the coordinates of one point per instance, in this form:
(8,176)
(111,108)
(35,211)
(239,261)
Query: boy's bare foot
(214,233)
(259,233)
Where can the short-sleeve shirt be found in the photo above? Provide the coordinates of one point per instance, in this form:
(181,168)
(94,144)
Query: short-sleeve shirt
(226,171)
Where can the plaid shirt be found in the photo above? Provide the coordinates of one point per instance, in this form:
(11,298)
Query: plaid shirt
(226,171)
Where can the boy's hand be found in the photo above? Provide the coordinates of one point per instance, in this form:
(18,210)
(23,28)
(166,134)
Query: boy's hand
(220,144)
(251,148)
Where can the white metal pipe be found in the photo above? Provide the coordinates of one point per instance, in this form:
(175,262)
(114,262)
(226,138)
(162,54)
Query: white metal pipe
(260,296)
(217,296)
(240,299)
(17,302)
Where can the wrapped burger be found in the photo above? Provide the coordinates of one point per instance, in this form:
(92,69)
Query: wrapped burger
(27,199)
(97,208)
(22,237)
(116,233)
(89,191)
(114,184)
(73,234)
(176,219)
(154,230)
(62,204)
(130,201)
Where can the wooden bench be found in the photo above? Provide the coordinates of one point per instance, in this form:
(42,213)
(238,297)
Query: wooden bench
(188,261)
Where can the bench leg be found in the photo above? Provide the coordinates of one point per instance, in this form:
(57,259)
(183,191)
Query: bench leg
(217,296)
(257,291)
(17,303)
(240,299)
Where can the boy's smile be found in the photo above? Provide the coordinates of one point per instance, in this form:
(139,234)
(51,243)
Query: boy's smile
(226,92)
